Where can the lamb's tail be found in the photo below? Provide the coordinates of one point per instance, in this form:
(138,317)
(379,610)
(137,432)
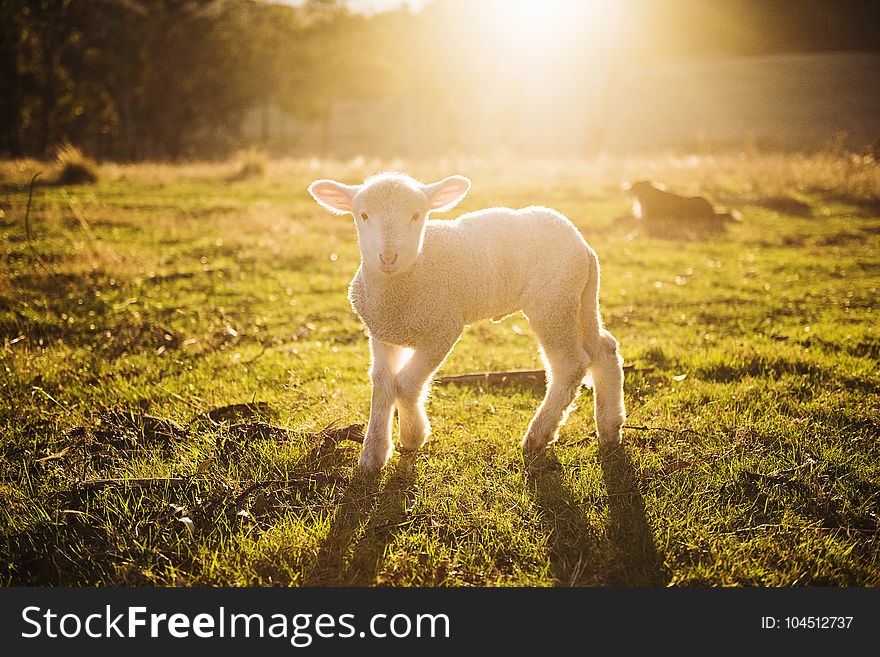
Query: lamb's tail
(590,317)
(729,215)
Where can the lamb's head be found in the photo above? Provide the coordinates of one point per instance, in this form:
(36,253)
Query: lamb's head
(390,211)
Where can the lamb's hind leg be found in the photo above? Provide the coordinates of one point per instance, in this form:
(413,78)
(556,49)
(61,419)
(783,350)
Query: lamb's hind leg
(607,373)
(606,367)
(567,364)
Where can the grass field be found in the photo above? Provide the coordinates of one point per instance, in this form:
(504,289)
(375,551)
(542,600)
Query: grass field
(142,307)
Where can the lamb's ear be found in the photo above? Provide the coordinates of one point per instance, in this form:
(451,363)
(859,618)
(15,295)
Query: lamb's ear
(334,196)
(446,194)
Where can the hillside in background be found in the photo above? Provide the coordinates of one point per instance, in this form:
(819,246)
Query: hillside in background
(785,102)
(777,101)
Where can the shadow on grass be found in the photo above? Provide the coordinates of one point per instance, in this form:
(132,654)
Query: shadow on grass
(783,205)
(672,230)
(628,528)
(869,207)
(69,552)
(580,553)
(121,536)
(367,519)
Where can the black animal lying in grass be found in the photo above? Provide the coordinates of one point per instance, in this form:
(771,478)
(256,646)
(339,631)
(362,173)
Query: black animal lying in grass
(667,213)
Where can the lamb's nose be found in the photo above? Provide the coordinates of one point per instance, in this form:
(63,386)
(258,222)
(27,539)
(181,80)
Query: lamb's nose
(387,258)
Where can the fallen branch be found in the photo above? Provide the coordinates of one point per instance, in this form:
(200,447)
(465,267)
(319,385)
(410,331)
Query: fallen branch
(331,433)
(508,376)
(493,378)
(352,432)
(235,412)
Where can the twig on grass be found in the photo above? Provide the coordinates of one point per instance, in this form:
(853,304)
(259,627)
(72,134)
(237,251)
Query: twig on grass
(779,475)
(312,480)
(578,441)
(798,528)
(27,212)
(56,455)
(27,228)
(673,431)
(27,220)
(147,482)
(48,396)
(177,482)
(633,428)
(254,358)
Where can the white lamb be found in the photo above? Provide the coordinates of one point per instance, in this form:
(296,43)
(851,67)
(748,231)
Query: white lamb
(421,281)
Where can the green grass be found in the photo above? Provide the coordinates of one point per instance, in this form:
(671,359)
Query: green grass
(171,291)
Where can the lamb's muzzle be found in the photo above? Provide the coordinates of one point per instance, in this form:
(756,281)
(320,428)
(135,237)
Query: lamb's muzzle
(388,262)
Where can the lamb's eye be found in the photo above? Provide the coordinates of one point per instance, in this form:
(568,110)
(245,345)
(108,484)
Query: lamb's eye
(364,216)
(416,216)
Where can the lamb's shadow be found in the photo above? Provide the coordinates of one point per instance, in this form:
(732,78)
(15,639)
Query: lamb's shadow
(628,528)
(366,521)
(580,552)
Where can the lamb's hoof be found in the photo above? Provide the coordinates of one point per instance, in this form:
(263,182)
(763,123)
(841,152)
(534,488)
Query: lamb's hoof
(609,438)
(406,462)
(532,444)
(373,460)
(411,442)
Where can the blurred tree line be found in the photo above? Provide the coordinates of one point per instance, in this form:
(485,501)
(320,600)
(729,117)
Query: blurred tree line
(137,79)
(168,79)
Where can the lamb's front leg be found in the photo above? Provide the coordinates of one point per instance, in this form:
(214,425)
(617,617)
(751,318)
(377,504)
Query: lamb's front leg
(412,389)
(385,363)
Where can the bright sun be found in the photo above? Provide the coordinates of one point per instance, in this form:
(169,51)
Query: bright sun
(535,20)
(528,29)
(546,20)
